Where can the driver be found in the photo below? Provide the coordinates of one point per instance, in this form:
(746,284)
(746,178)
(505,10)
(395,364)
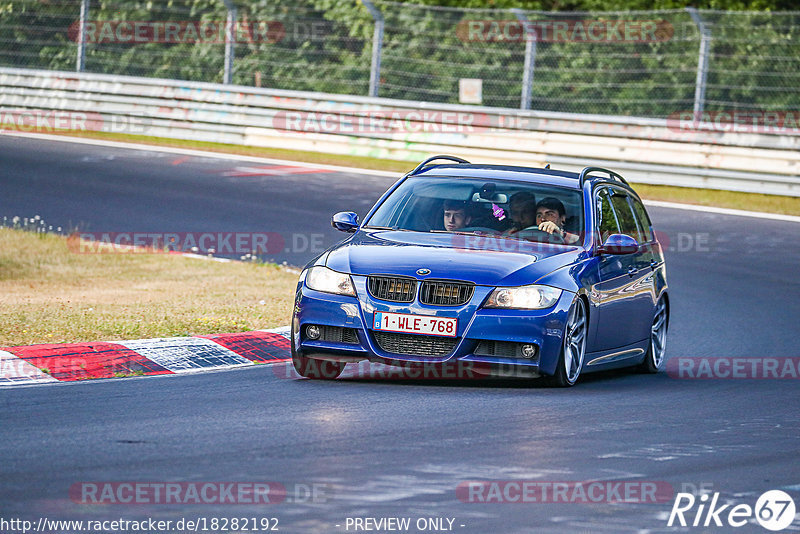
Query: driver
(456,215)
(522,209)
(550,218)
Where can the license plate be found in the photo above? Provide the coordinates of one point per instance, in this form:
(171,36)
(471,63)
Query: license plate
(415,324)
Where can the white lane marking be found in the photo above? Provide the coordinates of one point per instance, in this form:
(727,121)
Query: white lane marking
(185,354)
(14,371)
(355,170)
(723,211)
(201,257)
(202,153)
(270,170)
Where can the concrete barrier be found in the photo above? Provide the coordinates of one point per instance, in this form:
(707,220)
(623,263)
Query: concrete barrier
(656,151)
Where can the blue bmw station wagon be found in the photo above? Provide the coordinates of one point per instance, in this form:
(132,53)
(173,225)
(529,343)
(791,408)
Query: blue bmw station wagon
(547,273)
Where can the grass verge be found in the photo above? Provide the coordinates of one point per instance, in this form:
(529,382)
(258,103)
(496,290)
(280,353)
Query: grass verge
(704,197)
(51,295)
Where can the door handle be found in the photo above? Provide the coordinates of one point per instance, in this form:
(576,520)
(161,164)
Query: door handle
(653,264)
(632,271)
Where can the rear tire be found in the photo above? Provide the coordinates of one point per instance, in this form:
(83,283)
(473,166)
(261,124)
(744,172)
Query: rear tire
(313,368)
(573,348)
(658,339)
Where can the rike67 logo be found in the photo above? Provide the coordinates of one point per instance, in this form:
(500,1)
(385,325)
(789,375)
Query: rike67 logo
(774,510)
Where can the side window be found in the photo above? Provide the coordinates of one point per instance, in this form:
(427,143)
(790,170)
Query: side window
(643,218)
(607,220)
(627,221)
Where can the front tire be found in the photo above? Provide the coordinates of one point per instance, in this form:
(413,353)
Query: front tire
(573,348)
(313,368)
(658,339)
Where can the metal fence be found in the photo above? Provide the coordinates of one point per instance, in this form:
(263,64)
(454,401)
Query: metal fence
(637,63)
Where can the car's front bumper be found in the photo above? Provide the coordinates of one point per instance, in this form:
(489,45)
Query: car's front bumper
(542,328)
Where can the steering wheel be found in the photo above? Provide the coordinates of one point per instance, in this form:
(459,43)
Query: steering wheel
(532,233)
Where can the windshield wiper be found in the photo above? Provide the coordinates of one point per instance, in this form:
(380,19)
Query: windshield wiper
(392,228)
(460,233)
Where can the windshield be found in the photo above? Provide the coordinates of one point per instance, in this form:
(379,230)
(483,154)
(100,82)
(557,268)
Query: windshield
(516,210)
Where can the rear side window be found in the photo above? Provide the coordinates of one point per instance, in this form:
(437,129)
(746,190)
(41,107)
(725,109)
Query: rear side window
(625,216)
(643,218)
(607,223)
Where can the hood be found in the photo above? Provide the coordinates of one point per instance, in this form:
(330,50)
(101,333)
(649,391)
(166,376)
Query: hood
(484,260)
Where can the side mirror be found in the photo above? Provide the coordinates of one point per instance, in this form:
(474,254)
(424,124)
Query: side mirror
(619,244)
(345,221)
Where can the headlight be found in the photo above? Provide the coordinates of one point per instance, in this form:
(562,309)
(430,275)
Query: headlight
(329,281)
(523,297)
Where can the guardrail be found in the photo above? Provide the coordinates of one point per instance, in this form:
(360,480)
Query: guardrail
(655,151)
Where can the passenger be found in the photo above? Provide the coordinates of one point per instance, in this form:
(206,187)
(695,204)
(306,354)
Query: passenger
(522,209)
(550,218)
(456,215)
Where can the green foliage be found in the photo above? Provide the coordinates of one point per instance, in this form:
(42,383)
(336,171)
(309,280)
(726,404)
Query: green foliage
(326,45)
(617,5)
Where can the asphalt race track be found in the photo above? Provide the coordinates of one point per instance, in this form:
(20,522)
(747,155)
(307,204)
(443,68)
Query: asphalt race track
(381,448)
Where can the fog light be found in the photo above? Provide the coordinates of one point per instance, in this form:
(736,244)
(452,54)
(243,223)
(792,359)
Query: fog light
(312,331)
(528,351)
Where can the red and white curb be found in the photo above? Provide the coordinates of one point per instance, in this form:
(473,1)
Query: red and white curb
(41,364)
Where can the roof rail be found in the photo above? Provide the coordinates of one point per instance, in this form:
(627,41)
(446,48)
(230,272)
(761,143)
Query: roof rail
(611,174)
(427,161)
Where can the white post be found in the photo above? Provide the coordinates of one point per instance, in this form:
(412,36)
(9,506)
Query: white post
(81,61)
(530,58)
(230,41)
(377,46)
(702,63)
